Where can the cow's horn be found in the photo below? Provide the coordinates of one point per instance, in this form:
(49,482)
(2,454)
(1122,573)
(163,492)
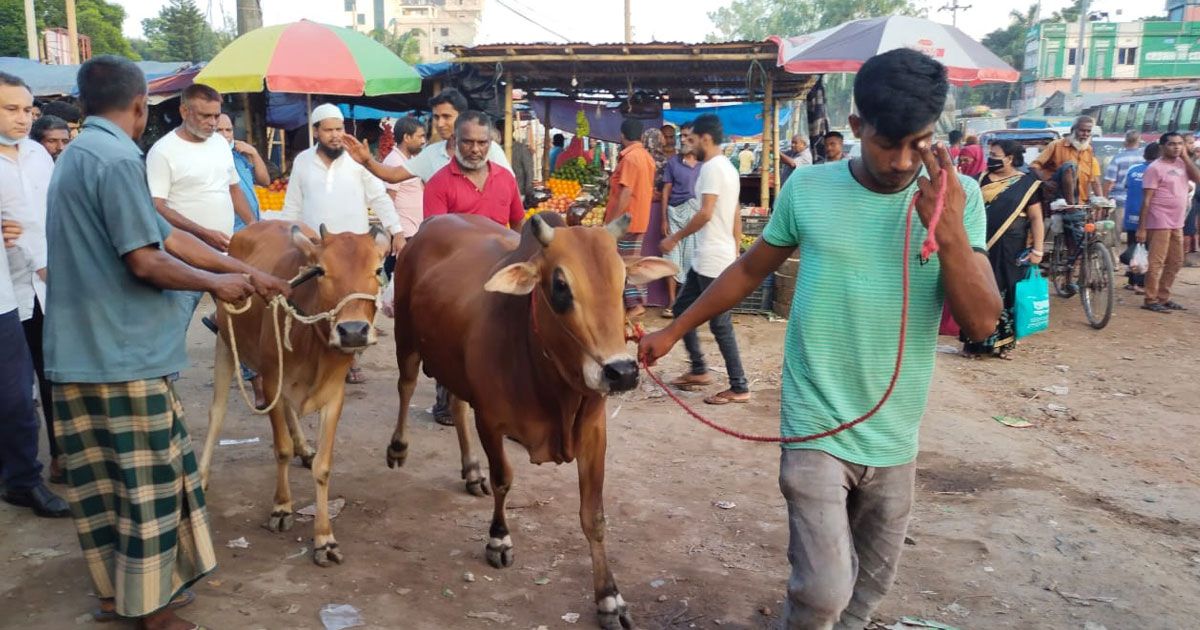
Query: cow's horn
(619,226)
(324,231)
(542,230)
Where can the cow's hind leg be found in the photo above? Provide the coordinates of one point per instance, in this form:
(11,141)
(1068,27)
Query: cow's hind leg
(325,548)
(499,549)
(282,517)
(299,443)
(410,364)
(471,472)
(222,379)
(611,608)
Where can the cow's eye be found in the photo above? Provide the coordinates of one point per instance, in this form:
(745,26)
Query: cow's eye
(560,293)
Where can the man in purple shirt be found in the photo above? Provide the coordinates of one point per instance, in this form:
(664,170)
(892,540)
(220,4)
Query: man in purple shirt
(1164,206)
(679,181)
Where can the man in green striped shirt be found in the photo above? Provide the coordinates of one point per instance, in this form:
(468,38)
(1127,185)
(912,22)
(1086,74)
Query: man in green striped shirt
(849,495)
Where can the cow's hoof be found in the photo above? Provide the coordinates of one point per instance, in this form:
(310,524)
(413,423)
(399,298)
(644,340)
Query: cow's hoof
(280,521)
(327,555)
(479,487)
(613,613)
(306,459)
(397,453)
(499,552)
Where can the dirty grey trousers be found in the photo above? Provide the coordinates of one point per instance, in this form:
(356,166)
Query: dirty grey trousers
(847,525)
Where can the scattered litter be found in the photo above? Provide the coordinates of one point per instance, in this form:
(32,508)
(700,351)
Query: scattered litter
(84,618)
(662,598)
(38,555)
(1057,408)
(490,616)
(309,511)
(1150,499)
(293,609)
(1080,600)
(989,569)
(468,577)
(571,617)
(658,583)
(1057,390)
(338,616)
(1092,625)
(1127,359)
(909,540)
(725,505)
(447,593)
(914,622)
(1015,422)
(238,543)
(956,609)
(947,349)
(1063,368)
(303,550)
(542,581)
(236,442)
(214,583)
(403,591)
(615,412)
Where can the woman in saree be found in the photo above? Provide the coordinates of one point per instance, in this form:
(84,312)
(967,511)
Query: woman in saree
(1014,224)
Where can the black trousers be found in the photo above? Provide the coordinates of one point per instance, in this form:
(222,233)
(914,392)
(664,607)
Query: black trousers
(19,464)
(33,338)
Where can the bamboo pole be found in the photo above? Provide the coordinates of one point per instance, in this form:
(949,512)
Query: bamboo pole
(775,152)
(764,175)
(508,117)
(547,141)
(72,34)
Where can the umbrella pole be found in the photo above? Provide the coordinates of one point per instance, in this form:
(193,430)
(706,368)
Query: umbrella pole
(308,115)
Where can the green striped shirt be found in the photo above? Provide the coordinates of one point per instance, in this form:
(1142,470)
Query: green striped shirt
(840,347)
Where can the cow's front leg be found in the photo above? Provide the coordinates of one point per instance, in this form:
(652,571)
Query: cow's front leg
(325,548)
(611,608)
(222,378)
(299,443)
(471,472)
(406,384)
(282,518)
(499,549)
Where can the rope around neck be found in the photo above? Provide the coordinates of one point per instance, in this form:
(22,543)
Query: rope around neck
(283,338)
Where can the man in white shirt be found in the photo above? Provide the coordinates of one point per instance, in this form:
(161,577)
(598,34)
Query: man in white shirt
(719,228)
(26,167)
(21,470)
(445,108)
(407,195)
(328,188)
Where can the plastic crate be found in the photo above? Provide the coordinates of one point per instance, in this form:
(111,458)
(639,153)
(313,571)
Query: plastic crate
(760,301)
(754,226)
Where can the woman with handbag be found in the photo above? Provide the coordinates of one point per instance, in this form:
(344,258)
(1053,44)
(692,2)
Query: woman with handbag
(1014,222)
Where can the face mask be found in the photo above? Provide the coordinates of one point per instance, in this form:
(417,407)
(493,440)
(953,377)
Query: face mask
(8,142)
(995,164)
(231,144)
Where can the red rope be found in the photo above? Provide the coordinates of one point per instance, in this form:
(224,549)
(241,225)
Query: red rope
(928,248)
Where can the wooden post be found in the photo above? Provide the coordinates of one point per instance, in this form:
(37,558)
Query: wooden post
(508,117)
(546,142)
(775,149)
(765,182)
(72,34)
(31,36)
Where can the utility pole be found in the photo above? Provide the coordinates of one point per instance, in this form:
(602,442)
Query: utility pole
(31,37)
(954,7)
(628,22)
(72,34)
(1079,49)
(249,17)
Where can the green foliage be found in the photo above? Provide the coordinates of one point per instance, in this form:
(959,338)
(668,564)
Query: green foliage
(180,32)
(99,20)
(406,46)
(12,29)
(759,19)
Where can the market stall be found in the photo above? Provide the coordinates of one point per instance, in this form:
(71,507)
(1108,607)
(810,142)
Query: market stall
(603,82)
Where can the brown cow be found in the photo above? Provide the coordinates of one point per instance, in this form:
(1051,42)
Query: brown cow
(314,370)
(529,331)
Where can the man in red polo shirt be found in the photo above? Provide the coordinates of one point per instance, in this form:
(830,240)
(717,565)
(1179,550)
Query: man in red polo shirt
(631,192)
(471,183)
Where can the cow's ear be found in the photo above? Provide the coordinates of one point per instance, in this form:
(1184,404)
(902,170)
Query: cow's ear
(383,242)
(515,279)
(648,269)
(304,243)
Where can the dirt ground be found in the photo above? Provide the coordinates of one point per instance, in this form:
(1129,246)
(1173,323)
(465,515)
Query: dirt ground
(1089,519)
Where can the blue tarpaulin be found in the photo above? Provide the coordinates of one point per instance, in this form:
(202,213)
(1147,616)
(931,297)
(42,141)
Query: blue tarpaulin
(55,80)
(743,120)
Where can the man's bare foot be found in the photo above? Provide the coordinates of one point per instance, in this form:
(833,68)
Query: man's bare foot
(166,620)
(635,312)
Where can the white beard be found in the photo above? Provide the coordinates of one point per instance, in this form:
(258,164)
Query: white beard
(1079,146)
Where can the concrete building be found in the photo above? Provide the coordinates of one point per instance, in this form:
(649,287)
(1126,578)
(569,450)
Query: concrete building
(1114,56)
(440,23)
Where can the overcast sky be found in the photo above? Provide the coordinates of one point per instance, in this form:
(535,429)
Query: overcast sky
(602,20)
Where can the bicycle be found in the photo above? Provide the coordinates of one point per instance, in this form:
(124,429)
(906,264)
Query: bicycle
(1090,267)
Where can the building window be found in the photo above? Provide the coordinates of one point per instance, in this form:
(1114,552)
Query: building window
(1127,56)
(349,6)
(1186,113)
(1122,118)
(1166,111)
(362,19)
(445,32)
(1074,58)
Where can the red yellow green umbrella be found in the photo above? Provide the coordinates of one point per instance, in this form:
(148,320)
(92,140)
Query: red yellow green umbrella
(309,58)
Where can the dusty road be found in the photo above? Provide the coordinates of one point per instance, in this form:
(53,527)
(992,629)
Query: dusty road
(1090,518)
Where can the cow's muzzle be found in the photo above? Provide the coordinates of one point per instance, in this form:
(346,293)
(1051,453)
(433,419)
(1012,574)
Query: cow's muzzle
(353,334)
(620,375)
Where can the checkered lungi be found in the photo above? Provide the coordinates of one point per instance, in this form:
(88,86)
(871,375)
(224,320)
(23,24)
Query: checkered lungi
(630,246)
(134,491)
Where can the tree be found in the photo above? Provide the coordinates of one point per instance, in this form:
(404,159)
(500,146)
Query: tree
(101,21)
(12,29)
(179,33)
(406,46)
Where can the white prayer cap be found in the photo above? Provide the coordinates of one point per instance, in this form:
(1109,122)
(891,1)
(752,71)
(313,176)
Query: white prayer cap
(324,111)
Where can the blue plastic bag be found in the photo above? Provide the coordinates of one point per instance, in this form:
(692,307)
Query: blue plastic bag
(1032,304)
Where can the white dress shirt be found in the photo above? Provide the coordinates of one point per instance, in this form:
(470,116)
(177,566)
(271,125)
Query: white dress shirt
(30,176)
(337,195)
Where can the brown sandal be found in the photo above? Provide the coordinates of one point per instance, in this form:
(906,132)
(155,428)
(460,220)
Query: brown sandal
(692,382)
(728,396)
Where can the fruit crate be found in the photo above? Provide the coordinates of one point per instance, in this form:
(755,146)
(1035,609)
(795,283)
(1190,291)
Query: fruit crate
(760,301)
(754,225)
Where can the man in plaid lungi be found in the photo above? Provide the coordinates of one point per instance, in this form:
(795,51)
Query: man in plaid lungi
(117,333)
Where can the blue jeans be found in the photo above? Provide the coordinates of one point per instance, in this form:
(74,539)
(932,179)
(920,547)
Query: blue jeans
(722,329)
(19,426)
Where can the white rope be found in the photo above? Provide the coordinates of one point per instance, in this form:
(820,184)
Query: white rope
(282,340)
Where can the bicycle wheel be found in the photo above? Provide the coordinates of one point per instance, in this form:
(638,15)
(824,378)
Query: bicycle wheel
(1096,285)
(1060,272)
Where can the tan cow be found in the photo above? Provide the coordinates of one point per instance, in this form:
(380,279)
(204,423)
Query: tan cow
(529,330)
(314,369)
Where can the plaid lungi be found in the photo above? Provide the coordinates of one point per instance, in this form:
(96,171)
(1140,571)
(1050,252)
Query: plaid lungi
(134,491)
(630,246)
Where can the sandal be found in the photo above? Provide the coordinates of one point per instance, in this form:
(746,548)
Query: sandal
(355,376)
(99,615)
(1174,306)
(728,396)
(692,382)
(1156,307)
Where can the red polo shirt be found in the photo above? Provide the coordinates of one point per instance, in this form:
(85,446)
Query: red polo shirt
(449,191)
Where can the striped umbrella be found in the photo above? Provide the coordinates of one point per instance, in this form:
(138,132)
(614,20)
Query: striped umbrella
(309,58)
(844,48)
